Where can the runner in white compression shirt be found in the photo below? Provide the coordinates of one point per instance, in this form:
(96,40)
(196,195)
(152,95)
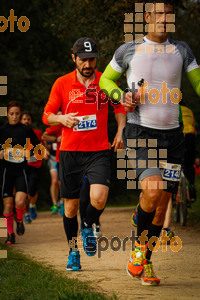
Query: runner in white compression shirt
(151,122)
(155,68)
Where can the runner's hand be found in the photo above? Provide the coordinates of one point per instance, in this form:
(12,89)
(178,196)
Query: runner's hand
(69,120)
(129,103)
(58,139)
(1,154)
(118,142)
(44,136)
(47,154)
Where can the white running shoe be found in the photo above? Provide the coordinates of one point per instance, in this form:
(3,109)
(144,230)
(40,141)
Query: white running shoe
(97,230)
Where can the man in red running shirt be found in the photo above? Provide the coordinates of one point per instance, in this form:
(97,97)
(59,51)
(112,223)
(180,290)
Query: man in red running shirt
(84,143)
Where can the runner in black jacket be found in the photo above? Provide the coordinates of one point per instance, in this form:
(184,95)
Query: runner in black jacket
(13,140)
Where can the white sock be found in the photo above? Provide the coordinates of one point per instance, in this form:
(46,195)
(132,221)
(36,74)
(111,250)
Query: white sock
(31,205)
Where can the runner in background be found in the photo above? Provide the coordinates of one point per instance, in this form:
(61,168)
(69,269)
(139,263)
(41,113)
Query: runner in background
(188,164)
(34,172)
(13,140)
(197,166)
(1,175)
(190,148)
(54,187)
(53,134)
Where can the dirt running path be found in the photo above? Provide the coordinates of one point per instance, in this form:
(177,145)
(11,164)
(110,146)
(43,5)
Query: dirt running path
(45,241)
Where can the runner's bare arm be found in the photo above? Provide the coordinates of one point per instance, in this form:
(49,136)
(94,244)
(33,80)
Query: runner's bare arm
(48,138)
(68,120)
(121,122)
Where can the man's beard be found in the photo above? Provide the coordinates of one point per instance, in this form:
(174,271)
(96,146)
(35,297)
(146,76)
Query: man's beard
(86,69)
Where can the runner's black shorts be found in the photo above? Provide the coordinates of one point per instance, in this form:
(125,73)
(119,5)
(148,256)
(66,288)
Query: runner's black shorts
(14,178)
(147,148)
(33,180)
(73,165)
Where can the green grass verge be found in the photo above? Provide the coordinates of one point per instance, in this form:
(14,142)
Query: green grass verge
(23,279)
(194,211)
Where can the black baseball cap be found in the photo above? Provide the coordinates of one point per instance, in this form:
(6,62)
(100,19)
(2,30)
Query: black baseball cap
(85,48)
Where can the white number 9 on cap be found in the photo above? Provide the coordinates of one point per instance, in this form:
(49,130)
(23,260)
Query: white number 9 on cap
(88,47)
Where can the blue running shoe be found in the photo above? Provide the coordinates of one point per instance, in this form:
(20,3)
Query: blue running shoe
(73,263)
(134,217)
(89,241)
(27,219)
(61,209)
(54,209)
(33,213)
